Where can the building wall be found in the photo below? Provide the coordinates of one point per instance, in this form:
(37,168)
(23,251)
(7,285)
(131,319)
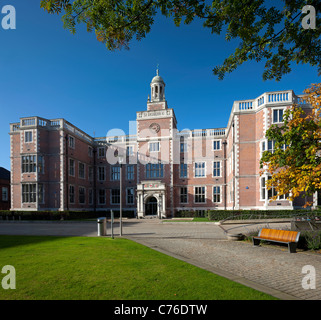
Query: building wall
(62,146)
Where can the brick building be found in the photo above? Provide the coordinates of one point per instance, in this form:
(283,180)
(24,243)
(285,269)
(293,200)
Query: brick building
(4,189)
(57,166)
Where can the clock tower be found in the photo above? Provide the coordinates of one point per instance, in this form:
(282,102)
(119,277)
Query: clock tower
(156,129)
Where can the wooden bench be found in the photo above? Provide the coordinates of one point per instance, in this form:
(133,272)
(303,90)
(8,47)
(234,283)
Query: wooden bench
(291,238)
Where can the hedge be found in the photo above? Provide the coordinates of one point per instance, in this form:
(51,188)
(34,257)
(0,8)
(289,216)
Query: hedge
(245,214)
(61,215)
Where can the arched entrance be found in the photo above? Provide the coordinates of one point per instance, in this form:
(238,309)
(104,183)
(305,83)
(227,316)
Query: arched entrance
(151,207)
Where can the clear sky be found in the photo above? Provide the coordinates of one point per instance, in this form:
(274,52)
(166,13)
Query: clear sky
(48,72)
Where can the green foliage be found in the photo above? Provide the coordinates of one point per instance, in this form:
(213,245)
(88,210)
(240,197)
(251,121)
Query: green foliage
(265,32)
(312,239)
(62,215)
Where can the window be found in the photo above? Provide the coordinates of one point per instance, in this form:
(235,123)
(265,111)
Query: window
(90,196)
(71,194)
(277,115)
(40,164)
(28,136)
(81,170)
(216,169)
(5,195)
(183,147)
(81,192)
(28,163)
(41,193)
(199,195)
(272,193)
(130,195)
(115,196)
(71,142)
(183,170)
(130,151)
(29,192)
(199,169)
(154,170)
(90,152)
(154,146)
(271,146)
(263,188)
(217,194)
(115,173)
(101,196)
(101,174)
(71,167)
(90,173)
(130,172)
(101,152)
(183,195)
(217,145)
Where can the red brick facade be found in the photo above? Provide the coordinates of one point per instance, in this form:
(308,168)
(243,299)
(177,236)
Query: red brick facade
(56,166)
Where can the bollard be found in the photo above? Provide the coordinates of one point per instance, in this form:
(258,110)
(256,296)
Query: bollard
(101,227)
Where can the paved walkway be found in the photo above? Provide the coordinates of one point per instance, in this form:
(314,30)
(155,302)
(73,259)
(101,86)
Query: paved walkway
(270,269)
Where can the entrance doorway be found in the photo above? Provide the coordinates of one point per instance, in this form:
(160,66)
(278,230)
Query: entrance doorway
(151,207)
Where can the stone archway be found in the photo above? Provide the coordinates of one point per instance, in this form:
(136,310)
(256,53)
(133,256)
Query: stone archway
(151,199)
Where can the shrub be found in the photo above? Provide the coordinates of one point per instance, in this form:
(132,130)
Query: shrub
(312,240)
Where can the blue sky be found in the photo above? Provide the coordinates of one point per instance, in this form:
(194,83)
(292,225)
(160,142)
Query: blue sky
(48,72)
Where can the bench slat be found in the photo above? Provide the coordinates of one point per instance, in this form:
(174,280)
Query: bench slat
(279,235)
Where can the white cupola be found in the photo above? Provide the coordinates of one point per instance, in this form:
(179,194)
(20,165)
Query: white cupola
(157,88)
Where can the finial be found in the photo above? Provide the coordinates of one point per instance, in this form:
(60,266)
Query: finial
(157,71)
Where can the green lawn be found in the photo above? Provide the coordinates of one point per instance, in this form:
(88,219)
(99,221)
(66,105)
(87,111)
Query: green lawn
(50,268)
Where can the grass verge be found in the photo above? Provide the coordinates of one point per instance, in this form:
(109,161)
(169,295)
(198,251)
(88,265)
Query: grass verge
(83,268)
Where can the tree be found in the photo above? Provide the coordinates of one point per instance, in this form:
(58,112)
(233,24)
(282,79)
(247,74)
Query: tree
(266,32)
(295,163)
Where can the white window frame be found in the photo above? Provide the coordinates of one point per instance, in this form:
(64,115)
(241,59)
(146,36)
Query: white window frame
(73,193)
(199,195)
(5,194)
(111,196)
(213,144)
(278,115)
(200,168)
(115,173)
(104,173)
(71,142)
(130,150)
(28,136)
(129,195)
(73,166)
(84,195)
(84,171)
(183,147)
(180,170)
(158,170)
(180,194)
(219,194)
(220,168)
(152,148)
(101,152)
(130,174)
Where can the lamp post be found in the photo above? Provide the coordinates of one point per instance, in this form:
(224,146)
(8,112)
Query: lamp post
(120,160)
